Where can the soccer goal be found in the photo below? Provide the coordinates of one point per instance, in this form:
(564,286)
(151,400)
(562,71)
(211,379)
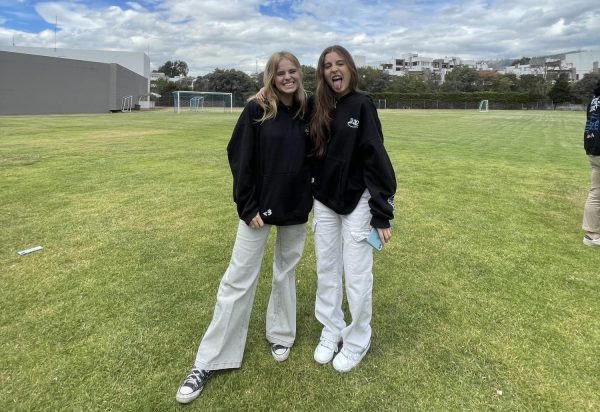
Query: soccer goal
(483,106)
(197,103)
(380,103)
(184,100)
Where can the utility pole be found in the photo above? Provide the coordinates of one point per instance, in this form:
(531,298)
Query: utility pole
(55,26)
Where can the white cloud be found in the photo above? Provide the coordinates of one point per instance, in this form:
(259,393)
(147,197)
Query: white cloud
(233,34)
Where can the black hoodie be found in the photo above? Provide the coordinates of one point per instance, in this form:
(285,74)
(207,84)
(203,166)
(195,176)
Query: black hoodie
(270,169)
(356,160)
(591,135)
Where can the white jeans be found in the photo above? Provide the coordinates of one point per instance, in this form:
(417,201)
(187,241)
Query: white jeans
(342,251)
(591,211)
(222,346)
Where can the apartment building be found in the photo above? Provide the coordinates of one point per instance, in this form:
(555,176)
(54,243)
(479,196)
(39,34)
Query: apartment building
(575,65)
(413,64)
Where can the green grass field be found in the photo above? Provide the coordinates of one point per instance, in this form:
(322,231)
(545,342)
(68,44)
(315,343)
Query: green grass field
(486,298)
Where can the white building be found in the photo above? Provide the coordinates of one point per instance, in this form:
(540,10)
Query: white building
(583,62)
(413,64)
(158,76)
(575,64)
(523,69)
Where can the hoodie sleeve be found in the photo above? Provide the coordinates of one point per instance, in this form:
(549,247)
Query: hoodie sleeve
(379,175)
(591,134)
(242,155)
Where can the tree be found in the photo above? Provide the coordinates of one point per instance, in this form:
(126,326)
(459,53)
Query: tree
(174,69)
(490,80)
(522,61)
(433,82)
(164,88)
(257,78)
(372,80)
(462,79)
(582,91)
(230,81)
(533,85)
(506,83)
(309,79)
(407,84)
(560,92)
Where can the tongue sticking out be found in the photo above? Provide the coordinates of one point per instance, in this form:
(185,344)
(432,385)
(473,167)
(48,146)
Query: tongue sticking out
(337,84)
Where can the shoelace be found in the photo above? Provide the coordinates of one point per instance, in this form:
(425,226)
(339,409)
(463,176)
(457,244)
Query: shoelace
(329,345)
(195,377)
(352,355)
(275,347)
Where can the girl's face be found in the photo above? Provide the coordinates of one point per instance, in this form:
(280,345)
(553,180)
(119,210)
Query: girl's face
(336,73)
(287,80)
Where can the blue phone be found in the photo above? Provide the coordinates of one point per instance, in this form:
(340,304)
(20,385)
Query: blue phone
(374,240)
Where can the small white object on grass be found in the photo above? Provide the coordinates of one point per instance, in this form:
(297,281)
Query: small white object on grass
(30,250)
(499,392)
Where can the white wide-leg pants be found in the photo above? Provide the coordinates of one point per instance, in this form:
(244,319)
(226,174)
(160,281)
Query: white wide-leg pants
(342,251)
(591,211)
(222,346)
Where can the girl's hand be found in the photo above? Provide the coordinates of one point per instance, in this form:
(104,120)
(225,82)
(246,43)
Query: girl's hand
(261,95)
(385,234)
(257,222)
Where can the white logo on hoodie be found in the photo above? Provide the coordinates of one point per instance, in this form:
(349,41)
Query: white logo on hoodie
(353,123)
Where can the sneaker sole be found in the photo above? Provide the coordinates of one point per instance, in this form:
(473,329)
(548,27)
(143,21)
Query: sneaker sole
(181,398)
(281,358)
(324,362)
(591,243)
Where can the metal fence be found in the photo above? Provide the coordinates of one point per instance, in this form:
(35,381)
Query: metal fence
(441,104)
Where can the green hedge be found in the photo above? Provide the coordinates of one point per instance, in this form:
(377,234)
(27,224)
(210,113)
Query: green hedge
(455,97)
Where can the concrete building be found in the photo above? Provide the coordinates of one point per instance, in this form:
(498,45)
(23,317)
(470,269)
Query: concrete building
(575,65)
(523,69)
(413,64)
(583,62)
(59,81)
(137,62)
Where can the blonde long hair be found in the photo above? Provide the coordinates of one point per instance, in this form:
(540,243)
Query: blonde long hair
(270,90)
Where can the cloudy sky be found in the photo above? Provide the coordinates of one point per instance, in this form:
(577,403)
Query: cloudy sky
(242,34)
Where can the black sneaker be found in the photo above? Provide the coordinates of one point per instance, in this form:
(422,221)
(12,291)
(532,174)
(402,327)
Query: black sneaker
(193,385)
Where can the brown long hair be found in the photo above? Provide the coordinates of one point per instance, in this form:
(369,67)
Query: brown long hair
(325,100)
(270,90)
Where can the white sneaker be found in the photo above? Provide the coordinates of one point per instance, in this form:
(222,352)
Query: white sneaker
(346,360)
(588,241)
(324,351)
(280,352)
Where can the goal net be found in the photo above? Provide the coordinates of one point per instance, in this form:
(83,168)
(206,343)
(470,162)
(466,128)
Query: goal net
(380,103)
(184,100)
(483,106)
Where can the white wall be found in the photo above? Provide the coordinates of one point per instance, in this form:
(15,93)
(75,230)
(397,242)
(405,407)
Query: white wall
(137,62)
(583,62)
